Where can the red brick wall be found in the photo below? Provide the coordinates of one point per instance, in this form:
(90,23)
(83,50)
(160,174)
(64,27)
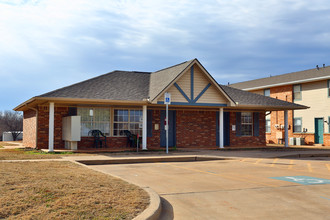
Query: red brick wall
(277,117)
(309,138)
(29,128)
(112,142)
(195,128)
(43,128)
(154,141)
(326,139)
(249,141)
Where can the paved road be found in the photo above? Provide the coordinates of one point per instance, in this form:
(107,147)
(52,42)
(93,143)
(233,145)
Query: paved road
(244,188)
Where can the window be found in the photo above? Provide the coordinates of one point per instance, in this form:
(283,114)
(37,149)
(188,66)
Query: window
(297,124)
(125,119)
(94,118)
(246,124)
(267,92)
(297,92)
(268,126)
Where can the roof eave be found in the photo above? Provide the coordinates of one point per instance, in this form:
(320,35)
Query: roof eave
(286,83)
(22,106)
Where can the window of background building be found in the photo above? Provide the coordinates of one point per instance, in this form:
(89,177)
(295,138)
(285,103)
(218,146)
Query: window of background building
(268,130)
(267,92)
(297,92)
(297,124)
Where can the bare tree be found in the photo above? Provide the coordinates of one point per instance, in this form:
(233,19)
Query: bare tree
(11,121)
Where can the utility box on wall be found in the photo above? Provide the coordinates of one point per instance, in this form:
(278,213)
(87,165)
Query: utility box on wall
(71,131)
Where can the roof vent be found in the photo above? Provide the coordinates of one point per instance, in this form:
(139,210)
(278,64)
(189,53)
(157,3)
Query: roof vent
(317,67)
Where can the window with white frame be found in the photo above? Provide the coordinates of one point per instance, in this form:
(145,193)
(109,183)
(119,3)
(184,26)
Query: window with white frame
(267,92)
(94,119)
(127,119)
(268,130)
(297,92)
(246,124)
(297,124)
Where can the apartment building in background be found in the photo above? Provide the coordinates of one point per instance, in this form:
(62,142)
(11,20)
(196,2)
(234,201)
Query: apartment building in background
(310,88)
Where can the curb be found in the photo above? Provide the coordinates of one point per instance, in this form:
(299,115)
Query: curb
(151,160)
(305,155)
(154,209)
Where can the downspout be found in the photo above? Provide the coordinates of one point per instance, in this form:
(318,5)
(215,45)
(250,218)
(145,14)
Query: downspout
(36,110)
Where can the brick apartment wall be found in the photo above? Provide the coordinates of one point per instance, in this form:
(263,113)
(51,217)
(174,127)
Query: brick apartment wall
(309,138)
(249,141)
(277,117)
(195,128)
(29,128)
(43,126)
(154,141)
(112,142)
(326,139)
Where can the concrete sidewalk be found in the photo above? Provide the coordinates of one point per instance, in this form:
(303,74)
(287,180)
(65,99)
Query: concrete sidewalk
(223,154)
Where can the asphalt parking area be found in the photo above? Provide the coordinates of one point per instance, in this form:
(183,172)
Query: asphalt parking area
(249,188)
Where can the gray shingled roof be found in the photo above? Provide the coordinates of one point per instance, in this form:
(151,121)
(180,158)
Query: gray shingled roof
(137,86)
(159,80)
(116,85)
(284,79)
(244,98)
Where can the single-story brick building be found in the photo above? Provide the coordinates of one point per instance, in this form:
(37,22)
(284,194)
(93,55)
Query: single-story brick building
(202,113)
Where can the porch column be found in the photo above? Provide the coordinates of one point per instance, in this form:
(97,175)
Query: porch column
(286,135)
(144,128)
(51,128)
(221,141)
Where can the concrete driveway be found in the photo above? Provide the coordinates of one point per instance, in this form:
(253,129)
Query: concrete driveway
(244,188)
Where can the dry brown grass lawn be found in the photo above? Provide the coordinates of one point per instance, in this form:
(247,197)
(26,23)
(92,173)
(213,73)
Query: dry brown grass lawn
(8,143)
(63,190)
(22,154)
(31,154)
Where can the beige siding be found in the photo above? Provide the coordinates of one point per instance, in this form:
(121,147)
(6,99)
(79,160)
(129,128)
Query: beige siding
(212,95)
(200,81)
(184,82)
(315,96)
(176,96)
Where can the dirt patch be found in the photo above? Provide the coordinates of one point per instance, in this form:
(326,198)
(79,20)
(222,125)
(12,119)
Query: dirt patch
(63,190)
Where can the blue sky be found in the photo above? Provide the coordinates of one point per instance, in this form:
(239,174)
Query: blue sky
(48,44)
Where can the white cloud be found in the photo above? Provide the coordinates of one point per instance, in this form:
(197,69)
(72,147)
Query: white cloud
(49,39)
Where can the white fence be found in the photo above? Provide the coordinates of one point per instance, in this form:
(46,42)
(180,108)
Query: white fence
(7,136)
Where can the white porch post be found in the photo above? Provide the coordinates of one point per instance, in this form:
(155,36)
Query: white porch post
(144,128)
(51,128)
(221,141)
(286,135)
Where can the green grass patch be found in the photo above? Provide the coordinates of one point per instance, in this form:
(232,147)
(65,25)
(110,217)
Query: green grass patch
(40,152)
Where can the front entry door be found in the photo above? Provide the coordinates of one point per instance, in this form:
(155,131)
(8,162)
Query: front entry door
(318,130)
(171,131)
